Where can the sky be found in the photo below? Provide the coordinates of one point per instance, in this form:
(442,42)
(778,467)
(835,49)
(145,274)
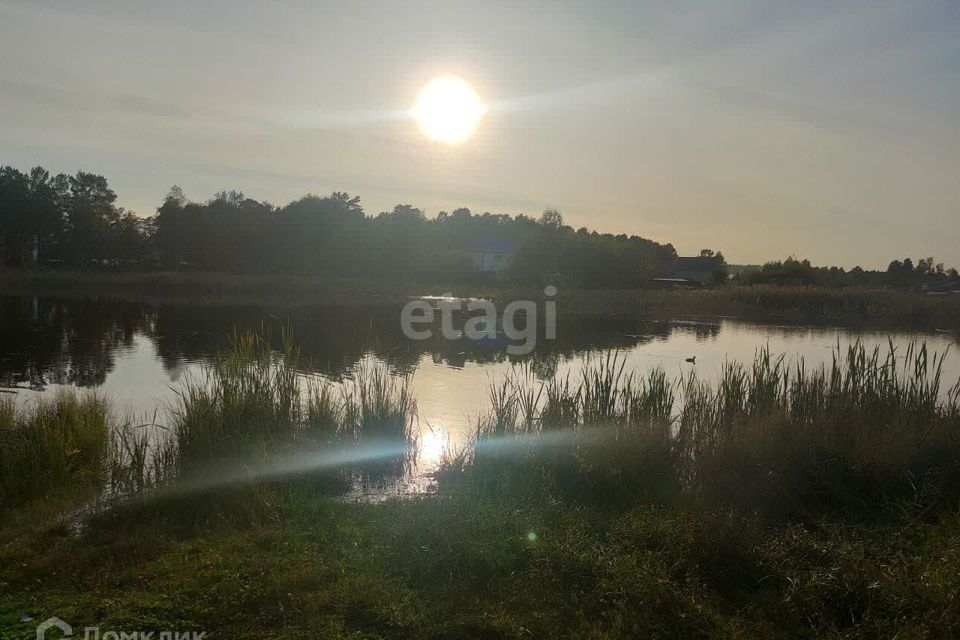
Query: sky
(825,130)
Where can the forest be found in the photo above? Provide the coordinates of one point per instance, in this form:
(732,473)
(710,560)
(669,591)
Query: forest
(74,222)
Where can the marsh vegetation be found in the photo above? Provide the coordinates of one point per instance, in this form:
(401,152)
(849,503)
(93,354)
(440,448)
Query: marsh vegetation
(608,504)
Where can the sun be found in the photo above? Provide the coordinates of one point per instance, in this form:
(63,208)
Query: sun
(448,110)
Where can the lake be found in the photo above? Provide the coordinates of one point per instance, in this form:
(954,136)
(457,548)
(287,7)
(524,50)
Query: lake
(137,354)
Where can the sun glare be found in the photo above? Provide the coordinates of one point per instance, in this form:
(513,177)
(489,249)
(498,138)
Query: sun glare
(432,446)
(448,110)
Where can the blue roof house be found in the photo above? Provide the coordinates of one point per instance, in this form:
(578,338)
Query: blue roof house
(491,255)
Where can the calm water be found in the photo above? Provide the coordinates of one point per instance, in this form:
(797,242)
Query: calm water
(136,353)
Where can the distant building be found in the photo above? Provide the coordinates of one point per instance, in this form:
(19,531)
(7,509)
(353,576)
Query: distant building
(492,255)
(694,271)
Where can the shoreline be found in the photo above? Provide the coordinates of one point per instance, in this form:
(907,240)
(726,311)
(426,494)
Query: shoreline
(850,307)
(621,503)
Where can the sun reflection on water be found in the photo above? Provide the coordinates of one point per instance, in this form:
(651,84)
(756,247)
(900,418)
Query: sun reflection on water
(432,444)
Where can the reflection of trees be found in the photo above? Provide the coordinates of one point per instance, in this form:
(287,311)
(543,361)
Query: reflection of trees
(331,341)
(702,331)
(190,333)
(47,341)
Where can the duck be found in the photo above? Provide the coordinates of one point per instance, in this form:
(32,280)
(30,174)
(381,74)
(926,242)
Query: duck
(692,360)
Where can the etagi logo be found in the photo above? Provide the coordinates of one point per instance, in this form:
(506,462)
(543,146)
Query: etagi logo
(418,316)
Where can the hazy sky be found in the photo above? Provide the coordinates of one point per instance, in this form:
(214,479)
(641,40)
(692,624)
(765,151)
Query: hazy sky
(828,130)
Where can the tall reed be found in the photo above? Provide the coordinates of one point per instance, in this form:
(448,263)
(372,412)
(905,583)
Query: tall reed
(871,427)
(51,444)
(142,457)
(254,407)
(248,402)
(373,410)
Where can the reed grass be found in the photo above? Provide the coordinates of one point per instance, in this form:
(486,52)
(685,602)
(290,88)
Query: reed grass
(372,410)
(607,504)
(51,444)
(376,406)
(872,428)
(142,458)
(856,306)
(254,407)
(247,403)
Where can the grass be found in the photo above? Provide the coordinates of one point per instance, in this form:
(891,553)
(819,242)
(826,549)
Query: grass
(453,568)
(873,431)
(372,411)
(849,306)
(51,445)
(141,459)
(255,409)
(779,502)
(885,308)
(249,402)
(215,288)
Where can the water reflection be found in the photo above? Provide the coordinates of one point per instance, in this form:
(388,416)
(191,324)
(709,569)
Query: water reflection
(134,352)
(48,341)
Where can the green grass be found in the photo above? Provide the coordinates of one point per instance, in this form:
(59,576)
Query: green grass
(457,568)
(249,402)
(255,410)
(51,444)
(779,502)
(872,432)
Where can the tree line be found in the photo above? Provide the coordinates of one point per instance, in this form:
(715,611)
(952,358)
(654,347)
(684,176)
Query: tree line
(74,221)
(903,274)
(54,219)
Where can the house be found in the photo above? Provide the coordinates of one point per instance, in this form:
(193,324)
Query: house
(695,271)
(491,255)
